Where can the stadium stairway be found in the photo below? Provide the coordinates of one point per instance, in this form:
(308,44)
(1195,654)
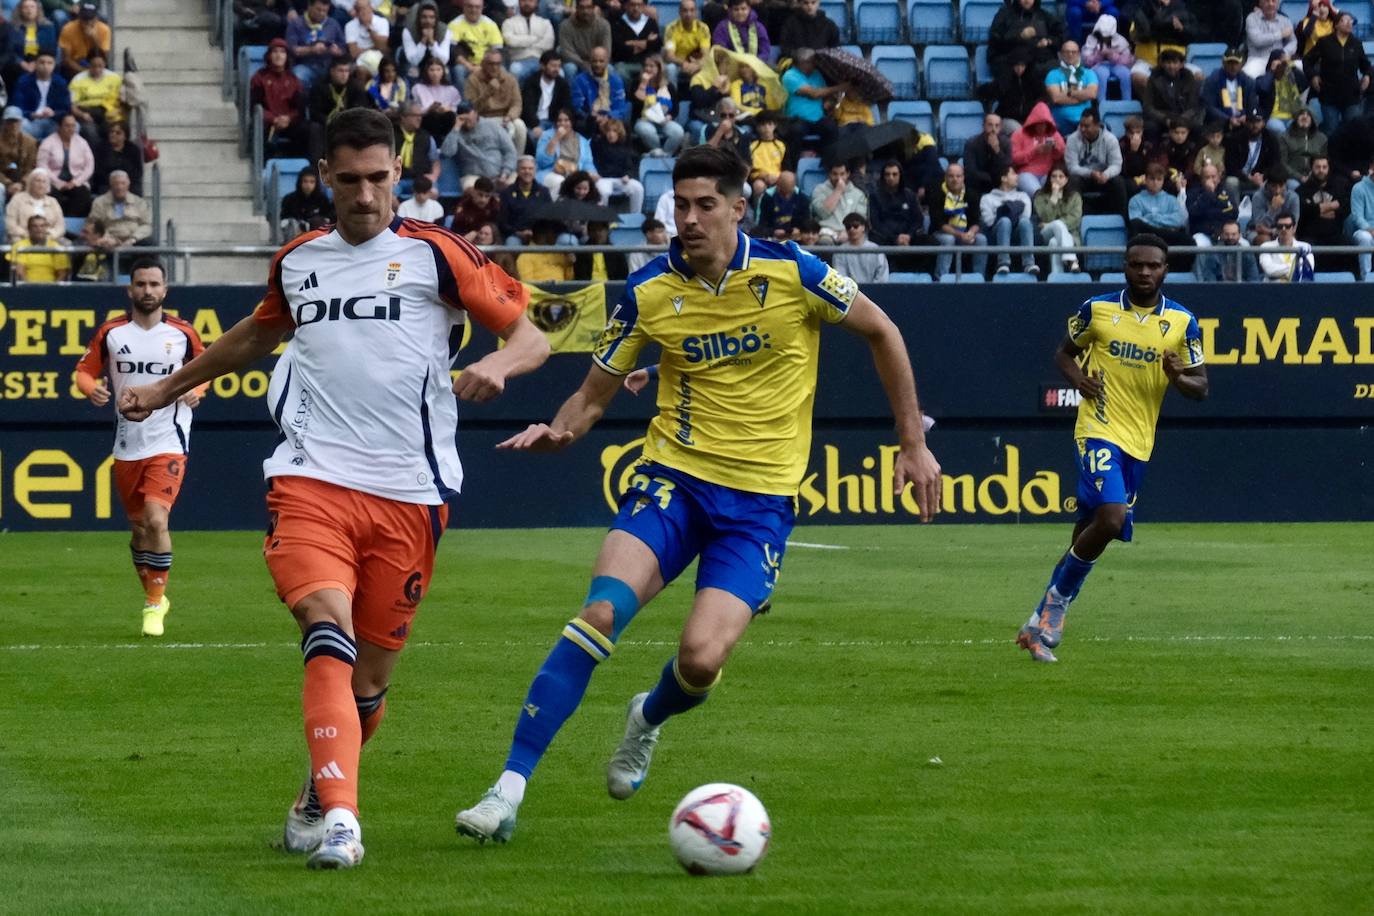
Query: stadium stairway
(205,185)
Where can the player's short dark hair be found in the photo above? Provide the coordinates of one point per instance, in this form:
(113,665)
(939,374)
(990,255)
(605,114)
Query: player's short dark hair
(1148,240)
(720,163)
(359,128)
(147,262)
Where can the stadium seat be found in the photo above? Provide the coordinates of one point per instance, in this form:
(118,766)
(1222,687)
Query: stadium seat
(975,16)
(623,235)
(809,174)
(667,12)
(962,278)
(1112,276)
(1362,10)
(1296,9)
(1014,278)
(946,70)
(1066,277)
(930,21)
(630,220)
(1114,114)
(898,64)
(982,70)
(913,112)
(1206,56)
(287,170)
(450,181)
(1103,230)
(1334,276)
(656,174)
(958,122)
(853,49)
(74,224)
(908,278)
(877,21)
(1369,49)
(838,11)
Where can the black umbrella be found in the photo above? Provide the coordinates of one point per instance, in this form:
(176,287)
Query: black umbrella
(862,144)
(571,210)
(842,67)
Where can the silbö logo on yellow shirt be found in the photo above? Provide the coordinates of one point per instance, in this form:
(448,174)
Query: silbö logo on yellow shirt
(722,347)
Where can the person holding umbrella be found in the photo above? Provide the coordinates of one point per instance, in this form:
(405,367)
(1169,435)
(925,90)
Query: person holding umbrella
(807,91)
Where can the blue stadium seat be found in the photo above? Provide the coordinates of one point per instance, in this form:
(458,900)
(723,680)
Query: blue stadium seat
(287,170)
(656,174)
(622,235)
(915,112)
(908,278)
(877,21)
(1334,276)
(667,12)
(251,57)
(1066,277)
(1368,49)
(930,21)
(975,16)
(1206,56)
(809,174)
(1103,230)
(74,224)
(898,64)
(853,49)
(946,70)
(450,181)
(964,278)
(1296,9)
(958,122)
(1362,10)
(982,70)
(838,11)
(1014,278)
(630,220)
(1112,276)
(1114,114)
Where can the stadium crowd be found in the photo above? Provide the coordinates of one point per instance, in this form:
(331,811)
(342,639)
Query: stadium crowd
(504,109)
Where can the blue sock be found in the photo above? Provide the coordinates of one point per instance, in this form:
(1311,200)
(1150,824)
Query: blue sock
(1069,576)
(556,692)
(671,695)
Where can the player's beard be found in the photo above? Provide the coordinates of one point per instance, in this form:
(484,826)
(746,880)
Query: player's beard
(144,307)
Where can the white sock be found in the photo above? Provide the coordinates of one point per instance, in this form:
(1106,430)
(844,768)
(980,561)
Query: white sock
(346,818)
(512,786)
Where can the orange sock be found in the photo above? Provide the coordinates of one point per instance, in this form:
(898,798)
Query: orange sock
(370,712)
(153,571)
(333,731)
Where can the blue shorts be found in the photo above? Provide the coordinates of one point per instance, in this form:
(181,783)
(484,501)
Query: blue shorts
(739,536)
(1106,475)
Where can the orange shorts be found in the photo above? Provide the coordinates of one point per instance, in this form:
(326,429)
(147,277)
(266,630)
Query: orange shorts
(156,479)
(379,552)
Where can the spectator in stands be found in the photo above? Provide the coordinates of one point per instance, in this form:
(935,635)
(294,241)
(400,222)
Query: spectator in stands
(482,149)
(1156,27)
(725,129)
(366,30)
(307,207)
(1273,201)
(1294,267)
(278,90)
(599,93)
(1035,147)
(808,26)
(415,145)
(518,201)
(127,217)
(544,94)
(657,127)
(561,152)
(1349,147)
(655,233)
(70,161)
(1266,30)
(1213,149)
(599,266)
(1252,155)
(423,204)
(1025,25)
(986,155)
(1171,94)
(427,37)
(1229,94)
(315,40)
(1082,17)
(949,206)
(579,35)
(51,265)
(478,205)
(617,165)
(1279,92)
(806,94)
(1232,266)
(1339,72)
(924,167)
(1059,212)
(18,151)
(388,88)
(1319,22)
(34,199)
(1135,153)
(1177,152)
(685,43)
(328,97)
(496,96)
(1014,92)
(1156,211)
(1072,88)
(1093,159)
(634,39)
(527,36)
(1323,205)
(1109,55)
(781,208)
(852,112)
(545,267)
(95,265)
(749,95)
(578,186)
(81,36)
(256,22)
(665,212)
(741,31)
(470,35)
(766,154)
(30,33)
(437,97)
(1299,145)
(1006,212)
(42,96)
(862,268)
(96,100)
(834,199)
(1209,206)
(1361,224)
(896,214)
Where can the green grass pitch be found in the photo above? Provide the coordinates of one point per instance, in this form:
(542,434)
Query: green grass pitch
(1204,745)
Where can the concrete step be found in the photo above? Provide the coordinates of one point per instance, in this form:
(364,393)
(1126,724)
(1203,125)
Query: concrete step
(185,180)
(184,97)
(250,271)
(196,133)
(156,79)
(167,113)
(169,16)
(158,40)
(197,56)
(216,155)
(255,233)
(195,209)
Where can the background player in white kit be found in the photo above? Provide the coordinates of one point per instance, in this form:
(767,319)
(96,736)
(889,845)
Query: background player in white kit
(136,348)
(358,482)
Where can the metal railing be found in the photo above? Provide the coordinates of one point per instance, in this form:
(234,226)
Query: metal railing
(255,161)
(222,36)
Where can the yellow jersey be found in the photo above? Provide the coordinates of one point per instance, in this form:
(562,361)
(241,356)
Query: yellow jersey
(479,36)
(1125,348)
(88,93)
(737,375)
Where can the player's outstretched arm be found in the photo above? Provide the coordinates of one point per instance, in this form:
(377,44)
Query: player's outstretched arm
(1066,358)
(1191,381)
(526,349)
(241,346)
(915,465)
(578,414)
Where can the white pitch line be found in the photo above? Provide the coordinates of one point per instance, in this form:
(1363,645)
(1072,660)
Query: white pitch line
(817,546)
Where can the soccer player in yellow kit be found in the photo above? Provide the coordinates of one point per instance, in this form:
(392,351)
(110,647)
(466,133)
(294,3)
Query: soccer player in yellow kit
(1124,351)
(739,321)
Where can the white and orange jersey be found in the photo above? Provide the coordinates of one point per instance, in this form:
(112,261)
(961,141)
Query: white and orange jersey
(132,355)
(362,396)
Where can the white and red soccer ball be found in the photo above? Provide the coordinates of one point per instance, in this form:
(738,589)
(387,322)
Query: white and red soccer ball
(719,829)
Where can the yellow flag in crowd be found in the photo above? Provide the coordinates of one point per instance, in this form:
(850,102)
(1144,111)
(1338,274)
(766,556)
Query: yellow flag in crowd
(572,321)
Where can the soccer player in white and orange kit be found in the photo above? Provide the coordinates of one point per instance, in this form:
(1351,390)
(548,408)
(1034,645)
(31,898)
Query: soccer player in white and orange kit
(138,347)
(366,461)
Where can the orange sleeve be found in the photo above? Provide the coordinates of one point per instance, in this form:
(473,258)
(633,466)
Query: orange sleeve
(468,280)
(85,382)
(92,362)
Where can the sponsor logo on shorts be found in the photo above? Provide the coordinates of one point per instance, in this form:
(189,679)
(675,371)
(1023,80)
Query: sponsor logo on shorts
(174,467)
(413,589)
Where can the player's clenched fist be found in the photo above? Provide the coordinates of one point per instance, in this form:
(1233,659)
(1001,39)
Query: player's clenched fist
(538,437)
(138,402)
(478,383)
(919,468)
(99,395)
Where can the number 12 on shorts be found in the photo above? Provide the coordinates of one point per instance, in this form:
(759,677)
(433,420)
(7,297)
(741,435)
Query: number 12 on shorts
(1099,459)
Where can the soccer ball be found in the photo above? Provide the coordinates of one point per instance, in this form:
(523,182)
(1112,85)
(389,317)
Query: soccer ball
(719,829)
